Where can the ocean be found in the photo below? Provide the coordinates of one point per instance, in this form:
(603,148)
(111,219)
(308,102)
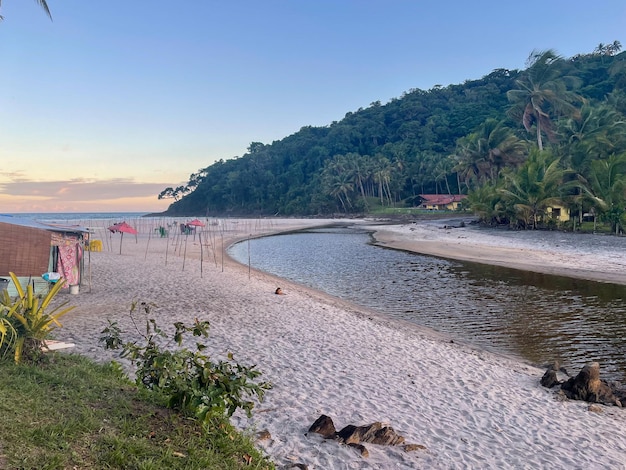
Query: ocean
(69,216)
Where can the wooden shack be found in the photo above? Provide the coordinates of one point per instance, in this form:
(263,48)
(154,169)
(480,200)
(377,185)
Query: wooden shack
(30,249)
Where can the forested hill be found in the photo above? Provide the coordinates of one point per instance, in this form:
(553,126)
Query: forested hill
(422,142)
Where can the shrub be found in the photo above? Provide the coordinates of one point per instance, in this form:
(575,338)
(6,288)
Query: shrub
(24,323)
(188,380)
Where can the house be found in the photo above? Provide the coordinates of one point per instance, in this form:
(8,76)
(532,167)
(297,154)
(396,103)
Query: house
(558,213)
(441,202)
(30,249)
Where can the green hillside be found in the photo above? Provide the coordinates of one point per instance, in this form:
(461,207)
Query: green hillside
(476,138)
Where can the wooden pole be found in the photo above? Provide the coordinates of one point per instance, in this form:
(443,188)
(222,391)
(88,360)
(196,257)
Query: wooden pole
(201,252)
(185,252)
(249,265)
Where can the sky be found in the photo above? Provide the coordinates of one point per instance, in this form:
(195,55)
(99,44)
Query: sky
(111,102)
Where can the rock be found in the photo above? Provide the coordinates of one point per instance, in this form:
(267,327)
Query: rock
(361,448)
(353,436)
(324,425)
(587,386)
(374,433)
(413,447)
(551,377)
(595,408)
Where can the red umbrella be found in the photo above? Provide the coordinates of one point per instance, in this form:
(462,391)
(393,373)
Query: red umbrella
(195,223)
(123,228)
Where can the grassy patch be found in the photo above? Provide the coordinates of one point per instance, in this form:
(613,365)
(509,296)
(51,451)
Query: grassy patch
(74,413)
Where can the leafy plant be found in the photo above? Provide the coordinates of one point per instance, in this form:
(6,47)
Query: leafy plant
(189,380)
(24,324)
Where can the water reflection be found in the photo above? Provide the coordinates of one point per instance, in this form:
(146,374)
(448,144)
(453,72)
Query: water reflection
(536,316)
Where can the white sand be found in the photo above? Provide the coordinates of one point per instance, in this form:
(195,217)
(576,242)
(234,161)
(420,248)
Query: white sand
(469,408)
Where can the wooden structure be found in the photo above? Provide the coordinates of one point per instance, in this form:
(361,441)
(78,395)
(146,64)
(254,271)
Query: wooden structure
(29,249)
(439,202)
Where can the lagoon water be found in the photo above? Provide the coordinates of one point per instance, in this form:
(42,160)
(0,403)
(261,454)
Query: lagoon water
(537,317)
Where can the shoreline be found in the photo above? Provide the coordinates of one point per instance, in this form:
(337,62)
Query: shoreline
(468,407)
(488,246)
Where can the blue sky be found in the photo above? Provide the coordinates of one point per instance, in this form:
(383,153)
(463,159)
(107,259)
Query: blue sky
(111,102)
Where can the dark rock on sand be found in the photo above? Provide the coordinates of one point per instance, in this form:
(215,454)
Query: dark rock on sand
(354,436)
(324,425)
(588,386)
(551,377)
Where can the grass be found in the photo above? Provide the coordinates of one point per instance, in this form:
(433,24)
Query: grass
(71,413)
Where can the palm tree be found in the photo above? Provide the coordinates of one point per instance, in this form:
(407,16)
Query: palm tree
(538,184)
(42,4)
(482,154)
(599,132)
(542,94)
(486,202)
(608,188)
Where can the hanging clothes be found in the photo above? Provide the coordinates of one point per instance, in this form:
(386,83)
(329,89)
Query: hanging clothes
(69,260)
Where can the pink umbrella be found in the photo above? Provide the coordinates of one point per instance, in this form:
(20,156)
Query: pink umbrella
(123,228)
(195,223)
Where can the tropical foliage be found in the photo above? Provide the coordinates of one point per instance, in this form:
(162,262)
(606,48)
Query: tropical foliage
(188,380)
(24,323)
(489,139)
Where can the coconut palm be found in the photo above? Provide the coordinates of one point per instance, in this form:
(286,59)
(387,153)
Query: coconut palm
(538,184)
(542,95)
(41,3)
(486,202)
(608,187)
(600,132)
(482,154)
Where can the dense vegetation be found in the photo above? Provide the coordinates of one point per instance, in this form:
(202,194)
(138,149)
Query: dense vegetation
(516,142)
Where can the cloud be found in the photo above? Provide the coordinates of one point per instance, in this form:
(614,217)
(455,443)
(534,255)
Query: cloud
(20,194)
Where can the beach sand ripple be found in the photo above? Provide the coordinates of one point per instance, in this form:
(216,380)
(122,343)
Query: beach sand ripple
(469,408)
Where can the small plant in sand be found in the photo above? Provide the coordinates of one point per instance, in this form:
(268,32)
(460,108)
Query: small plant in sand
(24,323)
(188,380)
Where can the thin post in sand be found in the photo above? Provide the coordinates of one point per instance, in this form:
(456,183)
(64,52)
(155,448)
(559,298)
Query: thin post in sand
(249,266)
(148,244)
(185,252)
(201,251)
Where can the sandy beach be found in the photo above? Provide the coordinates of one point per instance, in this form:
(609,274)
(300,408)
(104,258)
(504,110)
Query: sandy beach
(468,408)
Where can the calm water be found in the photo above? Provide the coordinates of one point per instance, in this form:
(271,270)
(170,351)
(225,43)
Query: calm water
(68,216)
(537,317)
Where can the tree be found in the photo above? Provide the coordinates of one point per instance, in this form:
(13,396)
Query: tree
(599,132)
(608,188)
(608,49)
(542,94)
(538,184)
(42,3)
(486,202)
(482,154)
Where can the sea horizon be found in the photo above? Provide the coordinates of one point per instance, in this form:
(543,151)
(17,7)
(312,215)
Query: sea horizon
(55,216)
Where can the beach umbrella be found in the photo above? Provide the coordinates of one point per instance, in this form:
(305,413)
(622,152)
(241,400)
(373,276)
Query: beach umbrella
(195,223)
(123,228)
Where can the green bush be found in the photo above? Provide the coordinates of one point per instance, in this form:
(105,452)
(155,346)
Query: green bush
(24,323)
(189,380)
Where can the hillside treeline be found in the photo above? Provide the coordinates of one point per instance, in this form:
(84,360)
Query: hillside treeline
(516,142)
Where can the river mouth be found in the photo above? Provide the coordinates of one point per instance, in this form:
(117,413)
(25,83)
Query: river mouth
(537,317)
